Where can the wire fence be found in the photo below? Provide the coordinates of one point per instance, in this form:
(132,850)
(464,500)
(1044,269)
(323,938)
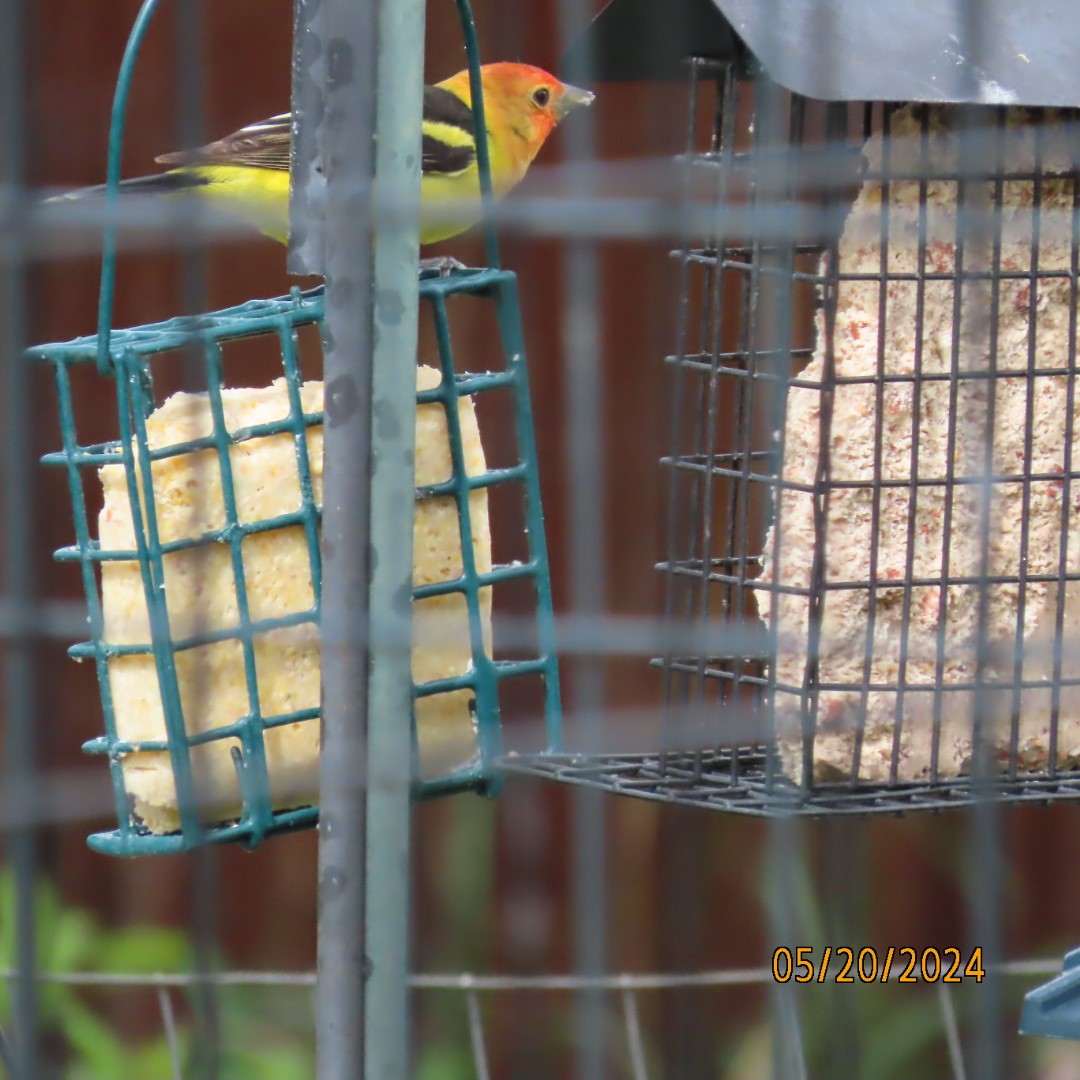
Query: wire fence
(623,991)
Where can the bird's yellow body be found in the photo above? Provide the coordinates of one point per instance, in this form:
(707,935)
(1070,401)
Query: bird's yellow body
(247,173)
(260,196)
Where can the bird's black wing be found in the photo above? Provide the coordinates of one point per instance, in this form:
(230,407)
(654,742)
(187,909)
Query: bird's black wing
(264,145)
(448,142)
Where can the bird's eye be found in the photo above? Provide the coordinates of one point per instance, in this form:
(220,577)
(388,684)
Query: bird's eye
(542,96)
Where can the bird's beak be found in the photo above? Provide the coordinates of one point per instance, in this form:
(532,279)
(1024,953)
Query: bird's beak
(572,97)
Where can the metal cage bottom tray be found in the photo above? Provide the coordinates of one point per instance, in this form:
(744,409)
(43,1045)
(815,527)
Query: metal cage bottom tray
(749,781)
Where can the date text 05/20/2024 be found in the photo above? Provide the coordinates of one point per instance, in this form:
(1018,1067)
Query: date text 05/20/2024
(804,964)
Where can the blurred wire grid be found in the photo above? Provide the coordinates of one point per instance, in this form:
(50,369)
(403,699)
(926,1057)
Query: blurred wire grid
(743,728)
(585,557)
(621,996)
(17,581)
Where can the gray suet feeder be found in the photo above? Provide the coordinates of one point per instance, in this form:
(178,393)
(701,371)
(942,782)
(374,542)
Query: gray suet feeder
(809,74)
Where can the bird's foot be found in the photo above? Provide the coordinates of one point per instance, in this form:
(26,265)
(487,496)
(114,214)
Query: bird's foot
(442,265)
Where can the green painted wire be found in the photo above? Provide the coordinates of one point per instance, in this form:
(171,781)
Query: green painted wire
(510,331)
(252,769)
(132,412)
(508,309)
(282,318)
(112,182)
(483,158)
(505,297)
(483,667)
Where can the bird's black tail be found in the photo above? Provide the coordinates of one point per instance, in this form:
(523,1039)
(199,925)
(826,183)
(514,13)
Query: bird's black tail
(168,183)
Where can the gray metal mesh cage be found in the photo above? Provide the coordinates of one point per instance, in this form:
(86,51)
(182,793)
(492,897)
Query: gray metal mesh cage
(871,535)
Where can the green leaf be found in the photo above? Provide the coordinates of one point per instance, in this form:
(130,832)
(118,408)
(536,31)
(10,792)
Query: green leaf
(7,918)
(55,1000)
(100,1055)
(751,1058)
(47,912)
(281,1061)
(143,950)
(71,943)
(894,1047)
(61,934)
(444,1061)
(152,1060)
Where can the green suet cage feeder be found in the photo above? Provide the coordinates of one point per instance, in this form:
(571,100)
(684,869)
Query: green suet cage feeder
(247,743)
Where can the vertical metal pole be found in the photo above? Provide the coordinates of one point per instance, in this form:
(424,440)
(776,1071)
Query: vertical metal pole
(368,124)
(772,305)
(16,573)
(985,883)
(393,433)
(583,410)
(307,186)
(347,125)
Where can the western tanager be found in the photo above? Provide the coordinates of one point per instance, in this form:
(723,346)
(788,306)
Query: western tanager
(248,171)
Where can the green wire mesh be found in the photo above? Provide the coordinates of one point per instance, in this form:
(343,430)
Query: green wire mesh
(131,357)
(134,354)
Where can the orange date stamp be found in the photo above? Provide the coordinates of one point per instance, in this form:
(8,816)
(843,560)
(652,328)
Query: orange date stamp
(804,964)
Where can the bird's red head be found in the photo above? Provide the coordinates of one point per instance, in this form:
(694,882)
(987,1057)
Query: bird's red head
(527,99)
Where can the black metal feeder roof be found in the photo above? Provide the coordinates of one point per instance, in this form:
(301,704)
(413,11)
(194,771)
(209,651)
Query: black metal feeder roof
(999,52)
